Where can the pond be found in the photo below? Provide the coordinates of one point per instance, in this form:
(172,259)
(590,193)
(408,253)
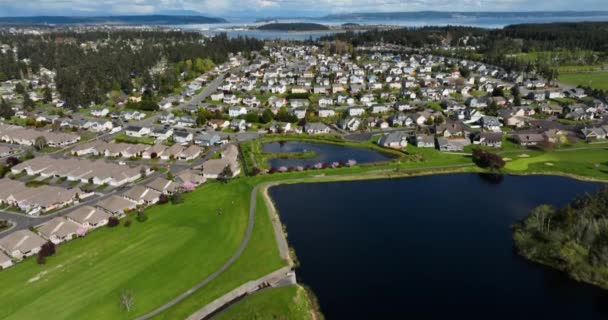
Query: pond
(323,153)
(435,247)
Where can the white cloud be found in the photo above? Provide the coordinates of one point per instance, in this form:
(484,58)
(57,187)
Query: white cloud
(285,7)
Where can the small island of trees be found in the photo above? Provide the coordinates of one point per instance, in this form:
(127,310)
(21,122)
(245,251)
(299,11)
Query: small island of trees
(297,26)
(573,239)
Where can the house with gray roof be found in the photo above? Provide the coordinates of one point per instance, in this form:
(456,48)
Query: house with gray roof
(394,140)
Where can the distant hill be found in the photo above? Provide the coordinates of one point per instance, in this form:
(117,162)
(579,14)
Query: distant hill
(296,26)
(454,14)
(123,20)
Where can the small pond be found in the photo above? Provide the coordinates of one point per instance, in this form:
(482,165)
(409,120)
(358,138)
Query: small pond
(323,153)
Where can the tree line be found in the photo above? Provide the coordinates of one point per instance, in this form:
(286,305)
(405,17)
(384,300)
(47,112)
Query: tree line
(91,64)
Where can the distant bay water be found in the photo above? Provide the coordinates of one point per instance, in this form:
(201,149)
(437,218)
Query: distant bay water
(236,27)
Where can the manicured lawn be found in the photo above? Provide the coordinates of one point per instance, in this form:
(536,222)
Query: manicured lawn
(276,303)
(597,80)
(590,163)
(178,246)
(261,257)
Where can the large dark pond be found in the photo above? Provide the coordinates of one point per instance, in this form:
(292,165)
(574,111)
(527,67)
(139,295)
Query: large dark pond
(436,247)
(324,153)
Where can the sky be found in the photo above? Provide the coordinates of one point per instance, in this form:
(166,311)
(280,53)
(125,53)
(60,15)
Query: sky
(285,8)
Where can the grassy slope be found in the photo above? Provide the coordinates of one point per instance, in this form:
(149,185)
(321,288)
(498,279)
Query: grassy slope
(278,303)
(597,80)
(176,247)
(260,258)
(589,163)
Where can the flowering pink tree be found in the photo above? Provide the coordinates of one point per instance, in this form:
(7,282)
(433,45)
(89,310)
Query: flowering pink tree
(81,231)
(188,186)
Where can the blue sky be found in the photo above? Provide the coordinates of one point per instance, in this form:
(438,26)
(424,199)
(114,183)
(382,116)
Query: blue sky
(259,8)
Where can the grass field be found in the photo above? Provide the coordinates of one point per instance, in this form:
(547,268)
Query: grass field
(178,246)
(182,244)
(598,80)
(590,163)
(277,303)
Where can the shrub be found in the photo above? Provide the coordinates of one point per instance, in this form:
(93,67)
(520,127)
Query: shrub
(176,198)
(12,161)
(163,199)
(41,259)
(141,216)
(488,160)
(48,249)
(113,222)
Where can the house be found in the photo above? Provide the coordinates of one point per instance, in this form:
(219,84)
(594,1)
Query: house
(451,129)
(116,205)
(528,139)
(451,145)
(238,125)
(489,139)
(491,123)
(142,195)
(182,137)
(325,113)
(172,152)
(154,152)
(207,139)
(162,134)
(316,128)
(89,217)
(356,111)
(100,113)
(5,261)
(137,131)
(379,108)
(213,168)
(185,122)
(326,101)
(163,186)
(350,123)
(21,244)
(218,124)
(190,176)
(190,153)
(234,112)
(300,113)
(394,140)
(398,120)
(424,141)
(59,230)
(598,133)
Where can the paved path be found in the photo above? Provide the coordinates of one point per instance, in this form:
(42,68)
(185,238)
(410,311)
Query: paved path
(217,273)
(280,277)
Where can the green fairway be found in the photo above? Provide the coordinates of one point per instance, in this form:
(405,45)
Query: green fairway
(178,246)
(260,258)
(598,80)
(277,303)
(589,163)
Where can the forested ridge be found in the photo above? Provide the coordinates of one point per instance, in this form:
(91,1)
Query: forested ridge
(577,43)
